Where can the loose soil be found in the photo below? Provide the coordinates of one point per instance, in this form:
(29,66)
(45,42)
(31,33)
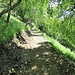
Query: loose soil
(30,53)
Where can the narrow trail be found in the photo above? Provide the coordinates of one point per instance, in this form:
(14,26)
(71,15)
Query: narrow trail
(33,39)
(31,54)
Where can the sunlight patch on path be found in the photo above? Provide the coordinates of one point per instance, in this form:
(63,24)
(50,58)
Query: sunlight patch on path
(32,41)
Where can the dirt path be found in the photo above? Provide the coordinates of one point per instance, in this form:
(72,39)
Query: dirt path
(33,39)
(31,54)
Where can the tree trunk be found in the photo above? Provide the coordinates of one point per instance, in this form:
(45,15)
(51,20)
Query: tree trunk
(8,17)
(9,13)
(9,9)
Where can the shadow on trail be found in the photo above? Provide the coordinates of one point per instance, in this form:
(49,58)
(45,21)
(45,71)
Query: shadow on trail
(29,33)
(38,61)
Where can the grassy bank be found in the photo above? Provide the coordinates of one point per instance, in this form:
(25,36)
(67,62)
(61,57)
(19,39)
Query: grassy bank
(8,30)
(59,47)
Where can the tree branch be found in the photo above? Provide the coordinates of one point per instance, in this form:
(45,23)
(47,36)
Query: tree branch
(11,8)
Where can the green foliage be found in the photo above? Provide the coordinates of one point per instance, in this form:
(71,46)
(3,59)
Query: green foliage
(58,27)
(32,9)
(8,30)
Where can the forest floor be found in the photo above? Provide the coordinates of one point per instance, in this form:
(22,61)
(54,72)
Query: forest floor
(31,54)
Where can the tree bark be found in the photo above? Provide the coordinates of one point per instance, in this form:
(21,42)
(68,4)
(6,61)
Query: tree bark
(9,9)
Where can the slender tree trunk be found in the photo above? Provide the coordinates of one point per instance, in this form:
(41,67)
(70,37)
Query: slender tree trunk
(8,17)
(9,13)
(9,9)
